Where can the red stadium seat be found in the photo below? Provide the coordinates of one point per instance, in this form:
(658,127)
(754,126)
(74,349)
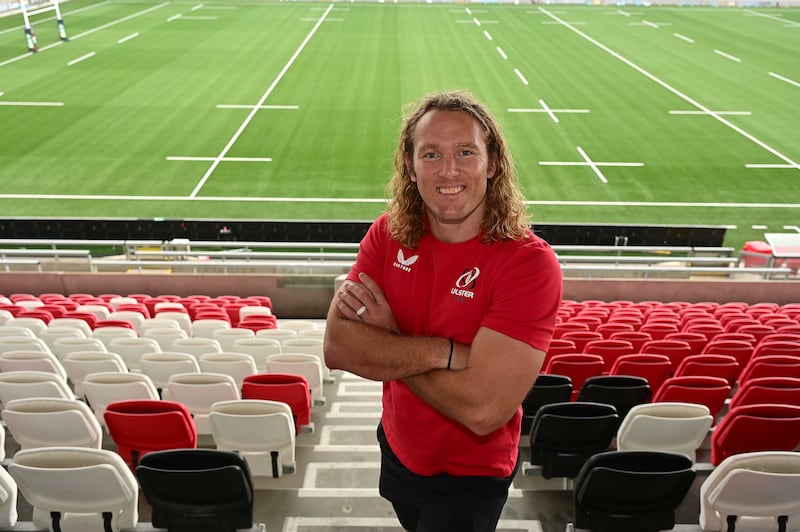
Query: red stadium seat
(676,350)
(655,368)
(141,426)
(776,390)
(724,366)
(759,427)
(581,338)
(776,348)
(637,338)
(286,388)
(578,367)
(610,350)
(709,391)
(771,366)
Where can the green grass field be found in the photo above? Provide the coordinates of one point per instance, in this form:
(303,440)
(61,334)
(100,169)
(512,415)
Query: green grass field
(614,114)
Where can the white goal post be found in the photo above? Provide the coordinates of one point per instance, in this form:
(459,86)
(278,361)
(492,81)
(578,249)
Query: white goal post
(36,8)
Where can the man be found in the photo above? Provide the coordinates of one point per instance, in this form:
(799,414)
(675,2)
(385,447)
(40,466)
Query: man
(451,303)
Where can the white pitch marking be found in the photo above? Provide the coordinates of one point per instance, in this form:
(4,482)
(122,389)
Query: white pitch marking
(548,111)
(520,76)
(128,38)
(469,11)
(260,102)
(593,166)
(792,228)
(174,17)
(502,53)
(684,38)
(487,34)
(738,113)
(787,80)
(651,24)
(758,227)
(556,111)
(198,6)
(81,58)
(769,166)
(787,23)
(226,159)
(1,93)
(727,56)
(32,104)
(673,90)
(238,106)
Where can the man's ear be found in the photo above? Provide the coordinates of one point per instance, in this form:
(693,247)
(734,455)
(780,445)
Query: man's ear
(410,169)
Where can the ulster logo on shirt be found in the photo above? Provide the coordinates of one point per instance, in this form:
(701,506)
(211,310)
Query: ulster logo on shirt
(465,284)
(405,263)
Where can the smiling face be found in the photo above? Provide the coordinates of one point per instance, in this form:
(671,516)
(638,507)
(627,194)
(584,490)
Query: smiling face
(450,165)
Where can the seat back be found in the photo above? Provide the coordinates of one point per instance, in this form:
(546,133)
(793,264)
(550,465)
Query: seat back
(708,391)
(610,350)
(141,426)
(724,366)
(631,490)
(226,337)
(546,389)
(577,367)
(198,391)
(101,389)
(652,367)
(288,388)
(622,391)
(758,427)
(259,347)
(309,366)
(263,431)
(161,366)
(32,361)
(52,422)
(771,366)
(671,427)
(24,384)
(758,486)
(74,481)
(237,365)
(565,435)
(197,490)
(132,349)
(78,364)
(196,346)
(778,390)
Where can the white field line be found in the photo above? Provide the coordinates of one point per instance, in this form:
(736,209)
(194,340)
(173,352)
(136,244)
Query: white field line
(81,58)
(736,113)
(520,76)
(684,38)
(242,106)
(592,165)
(648,23)
(773,17)
(487,35)
(502,53)
(231,159)
(128,38)
(548,111)
(366,201)
(727,56)
(676,92)
(260,102)
(787,80)
(32,104)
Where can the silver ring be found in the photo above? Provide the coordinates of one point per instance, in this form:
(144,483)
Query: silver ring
(361,310)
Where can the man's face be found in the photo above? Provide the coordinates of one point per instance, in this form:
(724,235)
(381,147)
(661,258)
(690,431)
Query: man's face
(450,165)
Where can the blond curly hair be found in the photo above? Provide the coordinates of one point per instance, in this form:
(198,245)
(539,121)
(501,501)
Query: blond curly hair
(506,215)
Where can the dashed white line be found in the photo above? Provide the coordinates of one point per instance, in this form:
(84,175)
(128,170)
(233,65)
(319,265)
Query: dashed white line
(81,58)
(128,38)
(31,104)
(548,111)
(782,78)
(727,56)
(502,53)
(684,38)
(520,76)
(487,35)
(648,23)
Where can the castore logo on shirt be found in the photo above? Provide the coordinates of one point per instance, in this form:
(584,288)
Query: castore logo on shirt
(465,284)
(404,263)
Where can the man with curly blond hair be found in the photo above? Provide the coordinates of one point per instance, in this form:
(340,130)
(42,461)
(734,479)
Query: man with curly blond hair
(451,304)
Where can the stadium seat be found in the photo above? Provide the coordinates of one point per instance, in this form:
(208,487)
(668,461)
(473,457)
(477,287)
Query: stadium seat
(581,338)
(546,389)
(757,490)
(309,366)
(80,363)
(709,391)
(142,426)
(622,391)
(101,389)
(226,337)
(672,427)
(291,389)
(654,368)
(577,367)
(198,391)
(77,488)
(260,348)
(771,366)
(263,431)
(237,365)
(724,366)
(631,490)
(565,435)
(775,390)
(676,350)
(132,349)
(52,422)
(609,350)
(758,427)
(161,366)
(197,490)
(31,361)
(24,384)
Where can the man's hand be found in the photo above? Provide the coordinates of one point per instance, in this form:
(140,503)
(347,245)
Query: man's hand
(366,302)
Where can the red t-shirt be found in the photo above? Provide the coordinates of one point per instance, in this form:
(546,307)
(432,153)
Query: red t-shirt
(451,290)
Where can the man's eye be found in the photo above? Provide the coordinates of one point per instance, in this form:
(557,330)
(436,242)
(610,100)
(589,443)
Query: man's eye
(466,153)
(429,155)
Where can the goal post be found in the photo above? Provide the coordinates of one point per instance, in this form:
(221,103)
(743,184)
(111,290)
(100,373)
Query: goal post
(29,11)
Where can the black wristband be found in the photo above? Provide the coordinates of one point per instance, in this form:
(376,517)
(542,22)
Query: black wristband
(450,358)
